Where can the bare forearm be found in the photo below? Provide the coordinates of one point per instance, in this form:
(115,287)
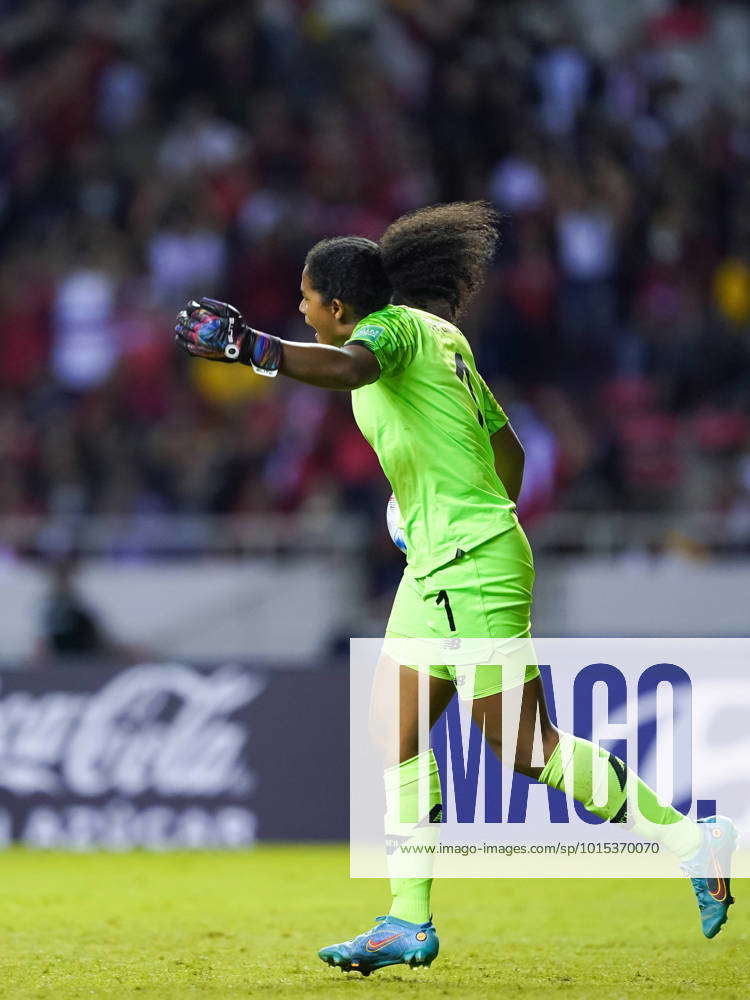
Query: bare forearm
(318,364)
(329,367)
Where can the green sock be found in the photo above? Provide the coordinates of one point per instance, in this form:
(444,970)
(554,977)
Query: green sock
(571,769)
(412,816)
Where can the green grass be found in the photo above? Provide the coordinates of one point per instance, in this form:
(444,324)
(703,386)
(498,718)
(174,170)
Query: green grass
(249,924)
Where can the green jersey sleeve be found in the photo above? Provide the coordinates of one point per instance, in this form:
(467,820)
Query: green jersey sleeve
(494,415)
(392,342)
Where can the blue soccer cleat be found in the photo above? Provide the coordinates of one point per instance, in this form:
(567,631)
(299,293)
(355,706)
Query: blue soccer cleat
(709,871)
(390,942)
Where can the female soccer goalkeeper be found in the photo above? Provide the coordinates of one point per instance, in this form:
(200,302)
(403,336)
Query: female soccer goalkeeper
(384,317)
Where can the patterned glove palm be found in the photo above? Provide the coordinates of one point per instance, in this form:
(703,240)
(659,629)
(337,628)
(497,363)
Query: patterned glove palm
(216,331)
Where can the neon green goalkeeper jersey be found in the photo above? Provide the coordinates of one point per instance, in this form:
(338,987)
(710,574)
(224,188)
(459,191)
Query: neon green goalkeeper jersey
(429,418)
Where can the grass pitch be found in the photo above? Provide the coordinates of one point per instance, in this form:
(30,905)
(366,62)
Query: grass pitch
(249,924)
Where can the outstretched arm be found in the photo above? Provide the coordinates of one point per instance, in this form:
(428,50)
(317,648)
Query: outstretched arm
(216,331)
(509,460)
(347,367)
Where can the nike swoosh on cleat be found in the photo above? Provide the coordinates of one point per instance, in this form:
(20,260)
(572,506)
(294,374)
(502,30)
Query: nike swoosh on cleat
(377,945)
(717,889)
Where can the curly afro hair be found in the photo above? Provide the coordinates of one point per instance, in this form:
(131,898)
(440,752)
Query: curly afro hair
(440,253)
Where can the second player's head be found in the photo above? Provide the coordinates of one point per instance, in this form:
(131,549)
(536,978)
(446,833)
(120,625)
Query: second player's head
(433,259)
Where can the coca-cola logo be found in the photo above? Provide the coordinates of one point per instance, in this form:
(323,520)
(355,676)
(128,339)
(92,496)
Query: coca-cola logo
(163,729)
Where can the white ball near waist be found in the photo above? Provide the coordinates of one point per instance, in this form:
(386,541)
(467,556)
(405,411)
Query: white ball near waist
(395,523)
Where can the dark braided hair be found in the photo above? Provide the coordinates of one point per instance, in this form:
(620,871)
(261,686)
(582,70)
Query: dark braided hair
(440,253)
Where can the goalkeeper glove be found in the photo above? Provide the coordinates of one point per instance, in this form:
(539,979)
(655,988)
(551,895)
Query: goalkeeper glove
(216,331)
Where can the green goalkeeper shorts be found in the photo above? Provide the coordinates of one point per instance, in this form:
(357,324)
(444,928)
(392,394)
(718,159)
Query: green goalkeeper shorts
(460,608)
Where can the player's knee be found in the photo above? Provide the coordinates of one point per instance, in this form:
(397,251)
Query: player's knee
(408,747)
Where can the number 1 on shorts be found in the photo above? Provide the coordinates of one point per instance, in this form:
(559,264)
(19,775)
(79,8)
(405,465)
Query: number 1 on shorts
(442,598)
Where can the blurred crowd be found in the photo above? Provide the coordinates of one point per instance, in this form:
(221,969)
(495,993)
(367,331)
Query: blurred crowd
(153,150)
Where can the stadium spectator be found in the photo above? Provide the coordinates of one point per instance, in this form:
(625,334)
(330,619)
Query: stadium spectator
(129,180)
